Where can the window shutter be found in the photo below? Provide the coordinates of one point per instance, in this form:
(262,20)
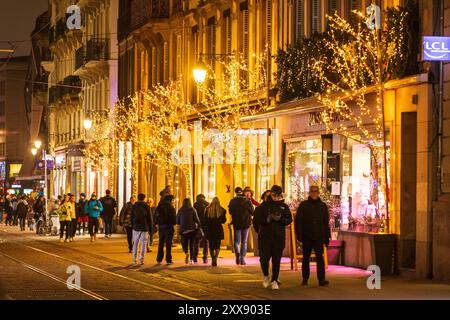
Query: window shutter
(315,16)
(269,23)
(299,19)
(227,30)
(355,5)
(333,7)
(166,61)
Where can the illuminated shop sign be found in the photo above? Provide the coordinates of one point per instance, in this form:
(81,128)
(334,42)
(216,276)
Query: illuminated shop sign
(436,48)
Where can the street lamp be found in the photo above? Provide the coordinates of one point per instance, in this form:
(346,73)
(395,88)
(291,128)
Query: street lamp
(199,72)
(87,123)
(38,145)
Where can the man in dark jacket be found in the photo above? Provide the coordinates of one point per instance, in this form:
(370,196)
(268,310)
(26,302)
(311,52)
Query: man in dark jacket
(39,210)
(166,219)
(313,230)
(241,210)
(200,206)
(271,219)
(125,221)
(141,223)
(109,211)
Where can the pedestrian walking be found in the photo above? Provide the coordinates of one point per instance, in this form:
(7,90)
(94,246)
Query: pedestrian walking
(39,211)
(30,219)
(200,206)
(189,226)
(82,217)
(65,219)
(73,215)
(248,193)
(109,211)
(22,210)
(93,208)
(313,231)
(215,216)
(125,221)
(165,218)
(14,203)
(2,207)
(151,204)
(141,222)
(241,210)
(270,221)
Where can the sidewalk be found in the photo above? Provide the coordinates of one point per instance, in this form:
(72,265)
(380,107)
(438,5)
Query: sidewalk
(345,282)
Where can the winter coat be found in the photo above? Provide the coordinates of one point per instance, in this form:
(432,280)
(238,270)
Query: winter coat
(91,211)
(312,221)
(188,220)
(38,206)
(22,209)
(270,220)
(72,209)
(165,214)
(241,210)
(200,207)
(80,209)
(141,217)
(64,212)
(109,205)
(125,215)
(213,226)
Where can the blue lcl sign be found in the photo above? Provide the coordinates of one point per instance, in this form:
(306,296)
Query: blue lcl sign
(436,48)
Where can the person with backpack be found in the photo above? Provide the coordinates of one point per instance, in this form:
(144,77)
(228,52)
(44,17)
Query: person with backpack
(22,210)
(65,219)
(165,218)
(93,208)
(109,211)
(241,210)
(215,216)
(82,217)
(189,223)
(200,206)
(125,221)
(141,223)
(270,221)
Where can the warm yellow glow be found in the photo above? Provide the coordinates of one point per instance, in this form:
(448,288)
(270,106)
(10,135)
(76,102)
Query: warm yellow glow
(38,144)
(199,72)
(34,151)
(87,123)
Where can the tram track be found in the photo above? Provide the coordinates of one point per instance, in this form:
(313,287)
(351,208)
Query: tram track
(201,289)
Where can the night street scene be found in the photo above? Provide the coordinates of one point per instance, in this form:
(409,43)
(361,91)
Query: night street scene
(238,151)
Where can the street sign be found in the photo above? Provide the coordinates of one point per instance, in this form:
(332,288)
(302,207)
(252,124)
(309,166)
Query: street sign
(40,164)
(436,48)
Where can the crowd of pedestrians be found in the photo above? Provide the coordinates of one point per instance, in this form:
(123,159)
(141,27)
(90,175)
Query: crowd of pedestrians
(199,225)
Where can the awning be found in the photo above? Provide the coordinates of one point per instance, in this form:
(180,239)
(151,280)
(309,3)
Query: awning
(29,178)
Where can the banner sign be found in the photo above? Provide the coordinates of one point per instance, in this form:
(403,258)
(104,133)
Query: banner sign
(40,164)
(436,48)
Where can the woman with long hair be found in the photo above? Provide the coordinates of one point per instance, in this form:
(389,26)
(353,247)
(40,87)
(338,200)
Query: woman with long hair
(189,223)
(214,218)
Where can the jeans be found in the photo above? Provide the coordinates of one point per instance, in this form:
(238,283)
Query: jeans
(240,242)
(22,224)
(93,226)
(205,243)
(188,242)
(165,239)
(107,221)
(129,231)
(65,225)
(73,228)
(308,246)
(139,237)
(271,249)
(31,224)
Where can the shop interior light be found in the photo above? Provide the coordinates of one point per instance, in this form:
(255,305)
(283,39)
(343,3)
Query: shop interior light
(38,144)
(34,151)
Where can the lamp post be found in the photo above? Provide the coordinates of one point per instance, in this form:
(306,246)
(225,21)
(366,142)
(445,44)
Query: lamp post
(37,146)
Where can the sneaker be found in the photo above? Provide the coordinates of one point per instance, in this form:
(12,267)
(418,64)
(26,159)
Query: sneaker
(243,263)
(238,260)
(304,282)
(169,263)
(192,262)
(324,283)
(274,285)
(186,259)
(266,282)
(158,263)
(61,240)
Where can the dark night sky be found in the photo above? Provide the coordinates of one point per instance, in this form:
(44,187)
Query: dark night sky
(17,18)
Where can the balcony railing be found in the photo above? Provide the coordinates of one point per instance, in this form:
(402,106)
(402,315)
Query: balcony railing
(72,85)
(53,94)
(79,58)
(141,12)
(60,28)
(97,49)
